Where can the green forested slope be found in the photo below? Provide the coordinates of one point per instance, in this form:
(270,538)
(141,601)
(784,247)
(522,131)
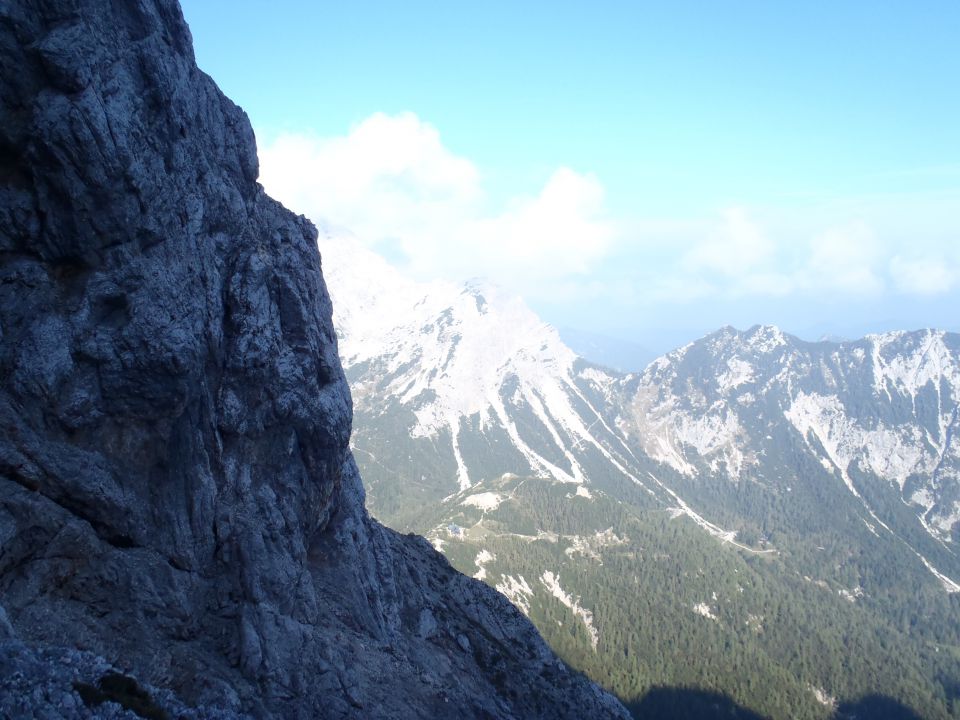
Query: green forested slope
(674,607)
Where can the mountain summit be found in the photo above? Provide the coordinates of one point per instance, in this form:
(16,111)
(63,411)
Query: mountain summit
(182,526)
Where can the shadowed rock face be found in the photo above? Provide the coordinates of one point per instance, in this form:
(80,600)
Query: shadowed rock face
(176,491)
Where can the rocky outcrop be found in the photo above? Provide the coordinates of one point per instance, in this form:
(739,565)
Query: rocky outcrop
(177,497)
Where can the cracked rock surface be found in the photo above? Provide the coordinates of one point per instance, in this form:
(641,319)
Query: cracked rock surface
(177,498)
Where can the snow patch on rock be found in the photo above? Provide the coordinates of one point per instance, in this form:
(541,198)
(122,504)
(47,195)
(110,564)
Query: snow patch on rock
(823,697)
(738,373)
(552,583)
(485,501)
(851,595)
(706,611)
(892,453)
(590,546)
(516,591)
(483,557)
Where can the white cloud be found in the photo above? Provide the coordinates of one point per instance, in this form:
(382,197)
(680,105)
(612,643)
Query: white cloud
(845,258)
(922,276)
(733,247)
(391,179)
(734,255)
(393,183)
(562,227)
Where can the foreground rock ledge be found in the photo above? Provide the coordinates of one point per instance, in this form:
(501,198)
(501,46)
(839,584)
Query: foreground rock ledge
(177,498)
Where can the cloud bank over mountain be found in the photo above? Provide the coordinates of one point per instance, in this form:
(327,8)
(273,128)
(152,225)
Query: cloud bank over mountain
(394,183)
(400,188)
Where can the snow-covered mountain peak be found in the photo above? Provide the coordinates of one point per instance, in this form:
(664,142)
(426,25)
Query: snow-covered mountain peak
(381,306)
(453,354)
(757,340)
(765,338)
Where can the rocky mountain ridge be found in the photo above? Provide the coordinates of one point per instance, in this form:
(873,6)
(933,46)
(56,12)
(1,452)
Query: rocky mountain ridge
(475,385)
(178,502)
(746,476)
(879,416)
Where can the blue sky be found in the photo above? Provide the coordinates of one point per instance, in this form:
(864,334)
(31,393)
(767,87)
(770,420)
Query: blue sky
(647,171)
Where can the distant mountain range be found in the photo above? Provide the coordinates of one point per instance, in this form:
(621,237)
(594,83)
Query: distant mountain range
(825,475)
(611,352)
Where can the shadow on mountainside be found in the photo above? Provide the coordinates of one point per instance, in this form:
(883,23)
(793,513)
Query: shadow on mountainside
(690,704)
(875,707)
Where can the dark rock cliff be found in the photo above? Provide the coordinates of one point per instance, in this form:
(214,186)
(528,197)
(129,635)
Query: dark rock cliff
(177,498)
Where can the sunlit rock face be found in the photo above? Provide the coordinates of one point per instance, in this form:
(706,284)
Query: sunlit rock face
(177,497)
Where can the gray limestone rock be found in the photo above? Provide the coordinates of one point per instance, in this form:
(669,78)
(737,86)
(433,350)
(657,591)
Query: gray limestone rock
(6,629)
(177,498)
